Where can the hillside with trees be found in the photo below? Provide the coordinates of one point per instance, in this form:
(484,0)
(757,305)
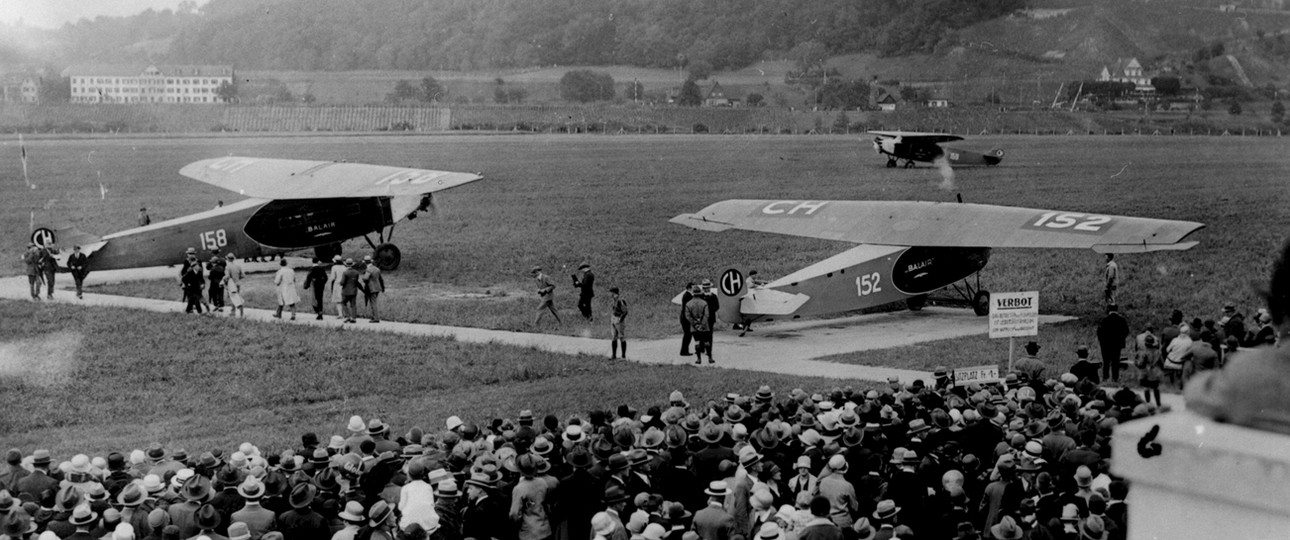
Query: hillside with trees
(342,35)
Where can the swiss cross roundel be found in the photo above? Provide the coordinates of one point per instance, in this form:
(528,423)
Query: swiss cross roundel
(42,237)
(732,282)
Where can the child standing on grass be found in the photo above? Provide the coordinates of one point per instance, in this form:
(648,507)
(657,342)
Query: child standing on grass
(1150,365)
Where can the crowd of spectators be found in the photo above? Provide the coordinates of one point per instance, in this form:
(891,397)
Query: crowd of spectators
(917,459)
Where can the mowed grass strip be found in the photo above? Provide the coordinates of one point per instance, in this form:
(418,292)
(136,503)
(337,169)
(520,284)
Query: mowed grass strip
(87,379)
(556,201)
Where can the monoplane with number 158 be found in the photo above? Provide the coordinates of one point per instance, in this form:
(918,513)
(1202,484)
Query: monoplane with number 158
(293,205)
(907,249)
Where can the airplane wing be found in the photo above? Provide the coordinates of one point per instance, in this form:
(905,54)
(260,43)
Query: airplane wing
(917,137)
(934,224)
(297,179)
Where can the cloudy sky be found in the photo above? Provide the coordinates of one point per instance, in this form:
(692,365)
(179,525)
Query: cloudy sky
(53,13)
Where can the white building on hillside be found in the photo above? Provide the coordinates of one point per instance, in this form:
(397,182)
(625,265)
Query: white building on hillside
(20,88)
(1127,70)
(147,84)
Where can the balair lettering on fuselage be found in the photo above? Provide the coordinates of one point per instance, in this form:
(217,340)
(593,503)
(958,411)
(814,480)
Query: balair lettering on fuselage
(794,209)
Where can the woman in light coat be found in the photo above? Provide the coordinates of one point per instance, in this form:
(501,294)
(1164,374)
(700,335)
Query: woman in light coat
(285,281)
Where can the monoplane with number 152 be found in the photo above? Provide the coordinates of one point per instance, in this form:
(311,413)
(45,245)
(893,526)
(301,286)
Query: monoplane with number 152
(907,249)
(293,205)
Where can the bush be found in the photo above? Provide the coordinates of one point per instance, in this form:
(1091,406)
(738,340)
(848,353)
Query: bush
(700,128)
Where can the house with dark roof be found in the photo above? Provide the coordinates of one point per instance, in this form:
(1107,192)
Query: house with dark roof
(718,96)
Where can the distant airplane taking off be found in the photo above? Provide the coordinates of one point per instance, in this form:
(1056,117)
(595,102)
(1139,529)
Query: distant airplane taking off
(907,250)
(927,148)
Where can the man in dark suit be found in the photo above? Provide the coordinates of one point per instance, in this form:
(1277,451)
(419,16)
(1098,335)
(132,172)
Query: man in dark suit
(35,484)
(77,263)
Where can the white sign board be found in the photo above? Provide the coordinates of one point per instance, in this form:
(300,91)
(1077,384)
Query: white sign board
(976,374)
(1014,314)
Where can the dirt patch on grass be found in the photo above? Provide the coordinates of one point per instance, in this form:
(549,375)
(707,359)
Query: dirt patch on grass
(43,361)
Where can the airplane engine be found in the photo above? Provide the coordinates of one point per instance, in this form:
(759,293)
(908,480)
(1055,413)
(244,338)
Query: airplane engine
(306,223)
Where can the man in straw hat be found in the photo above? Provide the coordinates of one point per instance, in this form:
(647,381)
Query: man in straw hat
(257,518)
(713,522)
(546,295)
(485,515)
(353,519)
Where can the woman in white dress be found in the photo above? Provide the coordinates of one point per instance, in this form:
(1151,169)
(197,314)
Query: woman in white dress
(285,281)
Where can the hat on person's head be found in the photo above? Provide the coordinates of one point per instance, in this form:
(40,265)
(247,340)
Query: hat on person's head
(584,266)
(717,488)
(748,459)
(302,495)
(353,513)
(239,531)
(207,517)
(349,261)
(375,427)
(453,422)
(251,488)
(191,251)
(83,515)
(837,463)
(1092,528)
(863,529)
(96,492)
(153,484)
(770,531)
(447,489)
(196,488)
(572,433)
(617,462)
(1032,347)
(535,270)
(131,495)
(602,524)
(1083,476)
(886,509)
(615,494)
(379,512)
(438,475)
(918,425)
(710,433)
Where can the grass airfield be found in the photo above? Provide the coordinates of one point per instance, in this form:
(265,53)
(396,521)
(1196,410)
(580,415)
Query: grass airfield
(556,201)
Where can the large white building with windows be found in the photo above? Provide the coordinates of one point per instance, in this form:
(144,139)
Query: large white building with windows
(147,84)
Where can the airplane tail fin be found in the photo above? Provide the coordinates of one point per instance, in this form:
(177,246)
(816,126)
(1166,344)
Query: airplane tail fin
(61,239)
(731,288)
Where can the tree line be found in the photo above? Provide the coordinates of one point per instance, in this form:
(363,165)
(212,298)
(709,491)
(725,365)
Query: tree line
(327,35)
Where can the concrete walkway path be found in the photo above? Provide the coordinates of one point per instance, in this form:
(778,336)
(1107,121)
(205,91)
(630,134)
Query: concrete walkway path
(789,348)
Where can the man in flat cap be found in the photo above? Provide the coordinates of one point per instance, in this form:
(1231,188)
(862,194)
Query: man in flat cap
(585,282)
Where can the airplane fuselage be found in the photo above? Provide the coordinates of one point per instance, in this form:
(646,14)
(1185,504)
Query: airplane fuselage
(890,274)
(249,228)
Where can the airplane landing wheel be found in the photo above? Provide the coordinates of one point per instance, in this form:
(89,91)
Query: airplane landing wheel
(981,303)
(909,164)
(916,303)
(891,164)
(387,257)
